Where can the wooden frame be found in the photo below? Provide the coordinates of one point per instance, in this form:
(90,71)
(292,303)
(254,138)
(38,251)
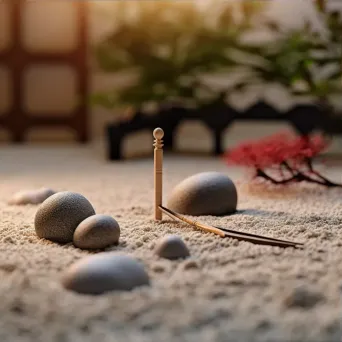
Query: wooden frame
(17,120)
(303,118)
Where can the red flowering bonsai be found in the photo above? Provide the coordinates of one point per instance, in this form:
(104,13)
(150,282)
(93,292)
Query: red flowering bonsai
(282,158)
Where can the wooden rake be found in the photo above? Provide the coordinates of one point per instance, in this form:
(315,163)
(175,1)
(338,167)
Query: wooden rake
(159,209)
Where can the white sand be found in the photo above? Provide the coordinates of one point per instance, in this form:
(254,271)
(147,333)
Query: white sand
(227,291)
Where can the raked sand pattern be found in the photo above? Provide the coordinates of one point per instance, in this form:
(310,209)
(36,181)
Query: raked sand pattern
(225,291)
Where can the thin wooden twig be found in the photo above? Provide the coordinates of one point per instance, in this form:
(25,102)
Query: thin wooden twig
(260,236)
(223,232)
(201,226)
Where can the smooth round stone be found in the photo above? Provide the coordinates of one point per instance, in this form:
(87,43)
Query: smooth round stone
(206,193)
(105,272)
(97,232)
(172,247)
(31,196)
(58,217)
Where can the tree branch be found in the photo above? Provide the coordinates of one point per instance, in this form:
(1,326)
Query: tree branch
(263,174)
(298,177)
(326,181)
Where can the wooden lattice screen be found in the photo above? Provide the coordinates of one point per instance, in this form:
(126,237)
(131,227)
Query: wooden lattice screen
(18,61)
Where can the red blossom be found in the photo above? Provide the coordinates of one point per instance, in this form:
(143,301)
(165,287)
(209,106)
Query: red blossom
(287,155)
(276,149)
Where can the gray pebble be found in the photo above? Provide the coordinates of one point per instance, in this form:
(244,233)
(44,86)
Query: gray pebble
(97,232)
(58,217)
(207,193)
(105,272)
(31,196)
(172,247)
(302,297)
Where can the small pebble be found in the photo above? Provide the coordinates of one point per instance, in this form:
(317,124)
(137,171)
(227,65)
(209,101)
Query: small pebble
(172,247)
(31,196)
(105,272)
(97,232)
(158,268)
(302,297)
(190,264)
(206,193)
(58,217)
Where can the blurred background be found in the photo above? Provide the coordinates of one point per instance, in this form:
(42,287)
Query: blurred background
(68,69)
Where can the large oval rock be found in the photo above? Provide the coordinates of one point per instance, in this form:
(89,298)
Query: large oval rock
(172,247)
(105,272)
(58,217)
(97,232)
(207,193)
(31,196)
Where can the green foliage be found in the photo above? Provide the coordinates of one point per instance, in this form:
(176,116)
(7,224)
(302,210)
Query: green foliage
(303,57)
(170,44)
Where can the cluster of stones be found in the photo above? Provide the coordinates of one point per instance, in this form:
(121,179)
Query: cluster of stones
(69,217)
(66,217)
(113,271)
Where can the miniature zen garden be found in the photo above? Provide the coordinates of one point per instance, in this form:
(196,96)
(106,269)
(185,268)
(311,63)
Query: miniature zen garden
(179,248)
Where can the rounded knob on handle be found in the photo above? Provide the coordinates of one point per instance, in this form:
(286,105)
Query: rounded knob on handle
(158,133)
